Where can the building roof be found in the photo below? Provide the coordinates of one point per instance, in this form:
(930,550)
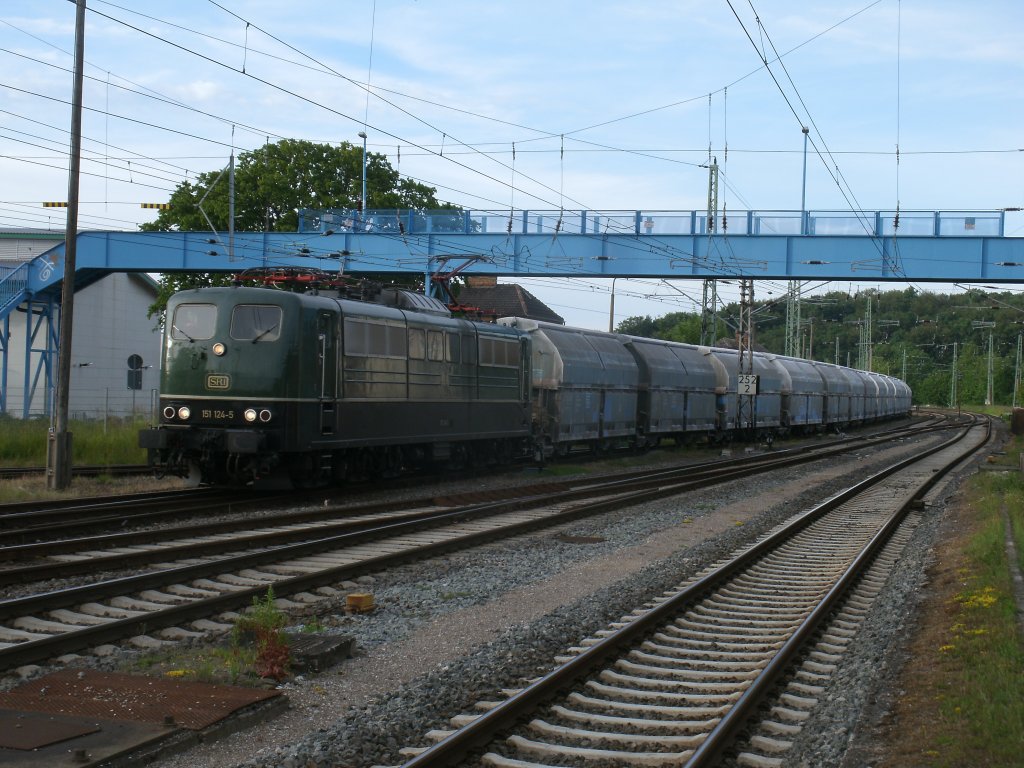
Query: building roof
(28,233)
(506,300)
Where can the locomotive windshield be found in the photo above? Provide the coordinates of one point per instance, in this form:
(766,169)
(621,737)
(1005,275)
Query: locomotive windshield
(256,322)
(193,321)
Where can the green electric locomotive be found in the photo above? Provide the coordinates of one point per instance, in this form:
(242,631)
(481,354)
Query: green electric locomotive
(270,387)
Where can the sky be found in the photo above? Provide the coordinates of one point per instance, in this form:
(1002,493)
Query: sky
(608,106)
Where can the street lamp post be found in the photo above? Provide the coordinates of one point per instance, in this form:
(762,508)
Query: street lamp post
(803,188)
(611,309)
(362,199)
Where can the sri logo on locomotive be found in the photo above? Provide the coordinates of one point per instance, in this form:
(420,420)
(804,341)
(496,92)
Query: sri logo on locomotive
(218,381)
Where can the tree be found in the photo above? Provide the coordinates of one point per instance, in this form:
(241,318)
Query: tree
(271,184)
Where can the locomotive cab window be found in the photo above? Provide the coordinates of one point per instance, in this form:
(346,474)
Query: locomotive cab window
(194,321)
(256,322)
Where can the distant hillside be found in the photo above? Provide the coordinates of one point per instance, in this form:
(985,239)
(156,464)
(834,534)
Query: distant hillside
(913,335)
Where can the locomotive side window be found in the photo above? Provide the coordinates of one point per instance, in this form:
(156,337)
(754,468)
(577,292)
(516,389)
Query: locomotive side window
(366,339)
(452,348)
(469,349)
(396,340)
(417,344)
(193,321)
(378,339)
(256,322)
(498,352)
(435,345)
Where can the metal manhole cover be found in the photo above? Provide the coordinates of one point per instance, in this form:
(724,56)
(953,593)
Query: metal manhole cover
(34,730)
(115,696)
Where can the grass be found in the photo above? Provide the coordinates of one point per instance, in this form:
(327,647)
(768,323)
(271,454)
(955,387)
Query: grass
(23,444)
(981,697)
(257,650)
(25,440)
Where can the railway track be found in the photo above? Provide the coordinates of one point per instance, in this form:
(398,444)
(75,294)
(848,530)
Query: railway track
(74,556)
(28,521)
(25,522)
(181,597)
(31,521)
(84,470)
(743,648)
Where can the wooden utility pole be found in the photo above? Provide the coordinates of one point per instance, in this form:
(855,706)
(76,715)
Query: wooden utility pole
(58,453)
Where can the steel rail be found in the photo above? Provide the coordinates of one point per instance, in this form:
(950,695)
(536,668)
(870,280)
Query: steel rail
(36,650)
(455,747)
(725,732)
(84,470)
(42,515)
(697,476)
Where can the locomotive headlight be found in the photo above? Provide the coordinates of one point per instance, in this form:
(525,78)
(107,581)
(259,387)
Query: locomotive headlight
(169,412)
(265,416)
(250,414)
(219,349)
(184,412)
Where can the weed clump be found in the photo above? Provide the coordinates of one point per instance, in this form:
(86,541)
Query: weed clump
(258,640)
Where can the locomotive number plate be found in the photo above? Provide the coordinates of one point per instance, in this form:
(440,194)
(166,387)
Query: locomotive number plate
(218,414)
(218,381)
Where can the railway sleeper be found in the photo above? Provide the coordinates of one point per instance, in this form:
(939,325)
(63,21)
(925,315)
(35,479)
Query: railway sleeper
(610,757)
(656,725)
(583,736)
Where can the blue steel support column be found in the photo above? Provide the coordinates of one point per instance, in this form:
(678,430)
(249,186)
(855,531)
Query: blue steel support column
(30,330)
(34,322)
(5,344)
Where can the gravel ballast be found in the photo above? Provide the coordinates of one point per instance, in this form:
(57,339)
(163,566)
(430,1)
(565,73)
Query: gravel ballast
(454,630)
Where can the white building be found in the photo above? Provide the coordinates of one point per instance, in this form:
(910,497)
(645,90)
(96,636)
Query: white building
(110,327)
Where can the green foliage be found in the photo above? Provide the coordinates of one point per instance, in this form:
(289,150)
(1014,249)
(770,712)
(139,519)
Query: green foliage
(261,632)
(907,325)
(313,625)
(981,701)
(275,181)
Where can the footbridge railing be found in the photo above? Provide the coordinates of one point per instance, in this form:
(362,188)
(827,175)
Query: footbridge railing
(13,287)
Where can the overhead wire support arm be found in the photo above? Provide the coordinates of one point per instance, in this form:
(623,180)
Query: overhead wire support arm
(442,279)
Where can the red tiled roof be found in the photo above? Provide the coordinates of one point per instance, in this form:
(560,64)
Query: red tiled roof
(507,300)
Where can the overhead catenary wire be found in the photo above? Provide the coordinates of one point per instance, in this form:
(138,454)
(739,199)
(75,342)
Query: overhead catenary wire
(797,46)
(218,5)
(562,149)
